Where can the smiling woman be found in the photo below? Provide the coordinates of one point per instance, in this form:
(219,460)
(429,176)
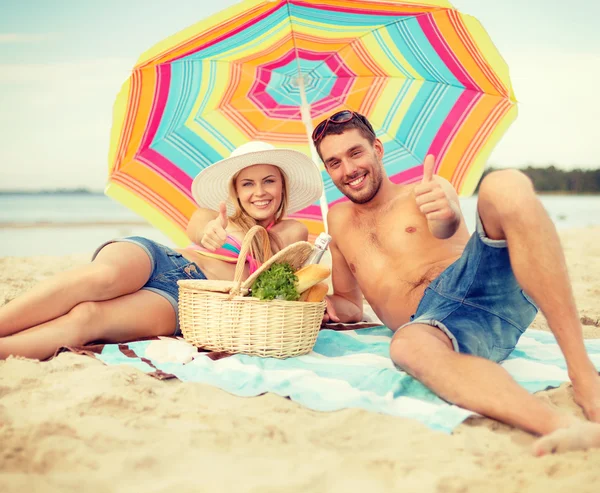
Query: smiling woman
(260,188)
(130,290)
(259,196)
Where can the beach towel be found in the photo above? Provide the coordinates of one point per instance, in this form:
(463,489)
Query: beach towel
(346,369)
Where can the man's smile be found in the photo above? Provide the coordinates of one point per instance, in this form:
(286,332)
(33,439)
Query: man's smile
(357,182)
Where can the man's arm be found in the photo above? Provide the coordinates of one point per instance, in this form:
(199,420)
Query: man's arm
(346,303)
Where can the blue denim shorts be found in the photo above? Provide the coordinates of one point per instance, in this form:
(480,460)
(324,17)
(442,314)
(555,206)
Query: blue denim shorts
(168,267)
(477,302)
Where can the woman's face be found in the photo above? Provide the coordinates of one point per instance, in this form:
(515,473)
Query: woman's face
(259,189)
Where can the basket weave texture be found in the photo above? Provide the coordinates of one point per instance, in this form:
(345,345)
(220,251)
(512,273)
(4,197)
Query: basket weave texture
(215,315)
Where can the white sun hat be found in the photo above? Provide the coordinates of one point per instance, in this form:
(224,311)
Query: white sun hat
(303,179)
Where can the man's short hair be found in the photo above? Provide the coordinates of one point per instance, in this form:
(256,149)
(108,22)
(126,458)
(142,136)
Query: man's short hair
(358,121)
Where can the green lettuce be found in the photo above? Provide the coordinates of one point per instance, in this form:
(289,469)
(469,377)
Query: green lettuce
(276,283)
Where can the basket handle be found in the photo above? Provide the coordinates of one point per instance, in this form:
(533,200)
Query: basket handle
(247,248)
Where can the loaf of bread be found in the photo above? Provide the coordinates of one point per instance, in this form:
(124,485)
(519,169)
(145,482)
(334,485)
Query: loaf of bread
(315,294)
(310,275)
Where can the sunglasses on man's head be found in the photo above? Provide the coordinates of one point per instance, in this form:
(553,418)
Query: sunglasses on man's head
(339,117)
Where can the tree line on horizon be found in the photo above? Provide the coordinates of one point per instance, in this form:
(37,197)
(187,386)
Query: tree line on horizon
(554,180)
(546,180)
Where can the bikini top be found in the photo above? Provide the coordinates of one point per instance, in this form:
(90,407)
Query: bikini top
(230,251)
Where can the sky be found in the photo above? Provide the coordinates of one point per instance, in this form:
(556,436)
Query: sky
(62,63)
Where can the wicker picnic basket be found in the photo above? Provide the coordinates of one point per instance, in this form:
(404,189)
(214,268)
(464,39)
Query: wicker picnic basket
(216,315)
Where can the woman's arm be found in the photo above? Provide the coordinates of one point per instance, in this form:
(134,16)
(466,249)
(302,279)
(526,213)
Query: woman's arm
(291,231)
(207,227)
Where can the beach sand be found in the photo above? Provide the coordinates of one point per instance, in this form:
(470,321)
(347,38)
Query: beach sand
(73,424)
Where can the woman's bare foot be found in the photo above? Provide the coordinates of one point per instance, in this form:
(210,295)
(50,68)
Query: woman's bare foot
(580,436)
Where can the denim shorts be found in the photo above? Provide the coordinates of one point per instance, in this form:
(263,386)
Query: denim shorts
(168,267)
(477,302)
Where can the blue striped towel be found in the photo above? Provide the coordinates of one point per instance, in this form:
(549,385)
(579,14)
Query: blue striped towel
(350,369)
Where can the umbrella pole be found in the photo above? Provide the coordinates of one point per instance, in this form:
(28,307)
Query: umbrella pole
(307,120)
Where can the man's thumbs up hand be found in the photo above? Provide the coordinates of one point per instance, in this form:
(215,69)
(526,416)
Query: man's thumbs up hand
(431,198)
(428,166)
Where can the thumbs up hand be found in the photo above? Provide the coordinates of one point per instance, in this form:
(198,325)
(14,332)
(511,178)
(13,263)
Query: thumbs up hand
(432,199)
(223,215)
(428,167)
(215,233)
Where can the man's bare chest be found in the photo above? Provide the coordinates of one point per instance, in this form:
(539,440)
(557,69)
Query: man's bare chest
(372,244)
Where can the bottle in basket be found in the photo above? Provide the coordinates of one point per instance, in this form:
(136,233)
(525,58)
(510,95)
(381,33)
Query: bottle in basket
(311,276)
(321,244)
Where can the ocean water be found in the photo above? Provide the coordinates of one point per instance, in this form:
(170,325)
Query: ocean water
(54,224)
(63,224)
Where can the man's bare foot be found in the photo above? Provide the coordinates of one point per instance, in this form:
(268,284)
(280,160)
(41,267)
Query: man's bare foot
(586,392)
(580,436)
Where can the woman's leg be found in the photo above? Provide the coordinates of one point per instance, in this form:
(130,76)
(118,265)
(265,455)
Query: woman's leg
(119,268)
(127,318)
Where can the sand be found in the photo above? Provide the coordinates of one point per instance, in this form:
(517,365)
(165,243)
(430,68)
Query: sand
(73,424)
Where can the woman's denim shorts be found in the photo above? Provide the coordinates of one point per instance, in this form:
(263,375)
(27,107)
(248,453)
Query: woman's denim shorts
(477,301)
(168,267)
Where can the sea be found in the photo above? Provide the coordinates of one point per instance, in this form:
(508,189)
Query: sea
(64,224)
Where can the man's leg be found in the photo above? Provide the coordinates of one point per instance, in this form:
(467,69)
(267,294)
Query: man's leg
(485,387)
(509,209)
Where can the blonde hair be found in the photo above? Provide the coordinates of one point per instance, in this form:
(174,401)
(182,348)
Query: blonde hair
(244,221)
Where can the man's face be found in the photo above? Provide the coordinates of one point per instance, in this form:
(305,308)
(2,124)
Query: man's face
(354,165)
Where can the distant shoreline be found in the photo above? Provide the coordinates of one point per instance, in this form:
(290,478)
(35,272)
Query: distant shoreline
(77,191)
(547,180)
(92,193)
(65,224)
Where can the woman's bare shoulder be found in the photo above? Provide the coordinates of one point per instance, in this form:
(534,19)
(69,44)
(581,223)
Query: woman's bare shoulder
(290,231)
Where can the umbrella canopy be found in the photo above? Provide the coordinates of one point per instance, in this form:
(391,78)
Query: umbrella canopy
(428,78)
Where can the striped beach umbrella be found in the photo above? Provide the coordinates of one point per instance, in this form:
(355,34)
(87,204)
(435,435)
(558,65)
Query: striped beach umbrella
(428,78)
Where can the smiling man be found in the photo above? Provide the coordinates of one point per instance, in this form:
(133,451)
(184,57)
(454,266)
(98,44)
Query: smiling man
(457,303)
